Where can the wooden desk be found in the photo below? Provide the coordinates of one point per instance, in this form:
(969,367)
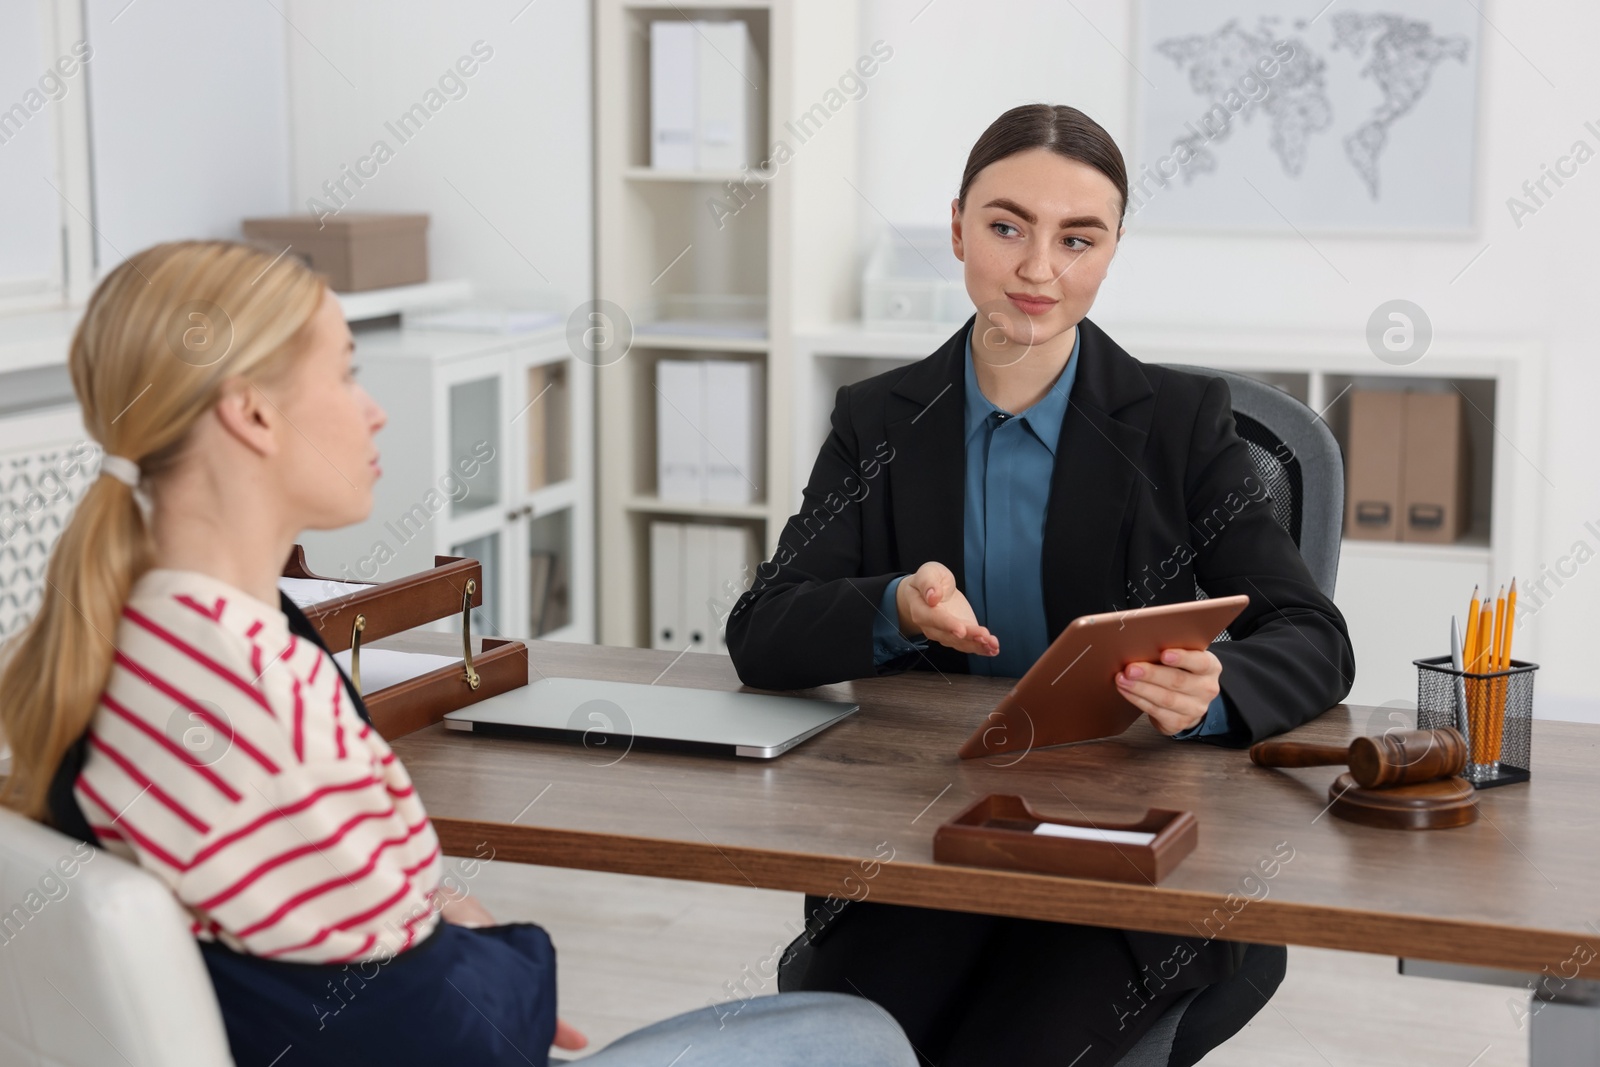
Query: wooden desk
(1515,891)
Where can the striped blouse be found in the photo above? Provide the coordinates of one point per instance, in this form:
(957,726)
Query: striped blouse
(225,757)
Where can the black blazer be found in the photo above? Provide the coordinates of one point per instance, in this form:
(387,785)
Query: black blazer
(1153,494)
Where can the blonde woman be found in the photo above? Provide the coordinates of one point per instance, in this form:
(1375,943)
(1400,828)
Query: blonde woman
(169,705)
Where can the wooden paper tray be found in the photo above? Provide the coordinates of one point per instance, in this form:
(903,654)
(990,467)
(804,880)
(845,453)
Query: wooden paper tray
(388,608)
(997,831)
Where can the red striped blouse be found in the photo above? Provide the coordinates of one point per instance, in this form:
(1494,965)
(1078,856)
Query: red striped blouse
(224,757)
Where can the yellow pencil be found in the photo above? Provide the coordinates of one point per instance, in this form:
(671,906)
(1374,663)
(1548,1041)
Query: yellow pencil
(1469,654)
(1497,636)
(1469,646)
(1497,728)
(1494,713)
(1480,743)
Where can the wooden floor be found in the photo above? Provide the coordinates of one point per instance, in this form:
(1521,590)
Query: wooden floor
(634,950)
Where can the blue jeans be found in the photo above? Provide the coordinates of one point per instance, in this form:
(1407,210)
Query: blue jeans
(786,1030)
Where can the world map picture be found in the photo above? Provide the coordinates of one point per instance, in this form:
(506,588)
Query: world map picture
(1354,118)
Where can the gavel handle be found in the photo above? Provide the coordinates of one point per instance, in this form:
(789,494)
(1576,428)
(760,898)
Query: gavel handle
(1278,753)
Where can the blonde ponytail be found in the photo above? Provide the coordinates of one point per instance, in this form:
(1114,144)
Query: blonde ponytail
(158,336)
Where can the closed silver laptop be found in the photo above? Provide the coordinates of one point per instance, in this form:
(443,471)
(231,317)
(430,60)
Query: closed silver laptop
(611,718)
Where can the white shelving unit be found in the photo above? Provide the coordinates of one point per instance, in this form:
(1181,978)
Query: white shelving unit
(480,460)
(1397,597)
(659,249)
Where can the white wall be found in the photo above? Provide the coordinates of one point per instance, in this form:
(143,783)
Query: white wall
(30,240)
(959,63)
(189,120)
(504,170)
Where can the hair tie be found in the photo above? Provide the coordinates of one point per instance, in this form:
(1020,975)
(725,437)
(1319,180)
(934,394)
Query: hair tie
(121,468)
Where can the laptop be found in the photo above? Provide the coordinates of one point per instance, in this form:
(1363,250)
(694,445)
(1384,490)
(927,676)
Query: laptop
(612,718)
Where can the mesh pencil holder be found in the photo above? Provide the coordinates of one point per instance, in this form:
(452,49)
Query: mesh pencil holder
(1492,709)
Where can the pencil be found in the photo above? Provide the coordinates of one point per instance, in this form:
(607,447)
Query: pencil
(1480,742)
(1497,635)
(1497,729)
(1471,648)
(1472,621)
(1469,689)
(1458,688)
(1495,712)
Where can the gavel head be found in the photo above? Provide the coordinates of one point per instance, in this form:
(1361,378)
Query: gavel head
(1400,757)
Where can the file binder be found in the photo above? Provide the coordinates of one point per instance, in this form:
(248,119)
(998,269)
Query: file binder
(673,95)
(680,443)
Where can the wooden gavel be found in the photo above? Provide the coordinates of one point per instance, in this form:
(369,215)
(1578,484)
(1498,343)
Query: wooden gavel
(1398,757)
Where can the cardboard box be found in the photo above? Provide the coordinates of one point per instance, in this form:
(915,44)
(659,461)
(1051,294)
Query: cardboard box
(1373,465)
(1434,493)
(356,251)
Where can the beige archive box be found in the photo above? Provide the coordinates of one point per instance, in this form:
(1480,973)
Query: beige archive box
(1434,502)
(1372,465)
(356,251)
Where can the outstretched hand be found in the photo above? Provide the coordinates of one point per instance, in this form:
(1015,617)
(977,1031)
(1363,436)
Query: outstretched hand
(930,605)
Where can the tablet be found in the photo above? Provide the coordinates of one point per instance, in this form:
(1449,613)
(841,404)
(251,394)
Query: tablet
(1071,693)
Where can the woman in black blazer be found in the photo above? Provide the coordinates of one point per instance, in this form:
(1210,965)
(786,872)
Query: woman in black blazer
(1152,496)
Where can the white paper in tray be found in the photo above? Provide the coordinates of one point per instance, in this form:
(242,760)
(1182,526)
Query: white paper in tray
(1090,833)
(383,667)
(307,591)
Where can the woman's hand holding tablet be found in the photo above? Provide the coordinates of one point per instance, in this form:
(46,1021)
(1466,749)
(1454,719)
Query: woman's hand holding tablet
(1079,690)
(929,604)
(1176,692)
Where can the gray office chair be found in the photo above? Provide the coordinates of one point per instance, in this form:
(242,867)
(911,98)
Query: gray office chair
(1299,461)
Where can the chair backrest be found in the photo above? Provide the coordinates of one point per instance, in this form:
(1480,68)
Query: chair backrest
(1299,461)
(97,964)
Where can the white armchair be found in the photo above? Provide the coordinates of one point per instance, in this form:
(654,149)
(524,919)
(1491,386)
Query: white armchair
(97,964)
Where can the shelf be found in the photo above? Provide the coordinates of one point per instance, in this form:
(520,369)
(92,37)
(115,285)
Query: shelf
(1420,552)
(854,339)
(714,177)
(681,6)
(407,343)
(701,342)
(379,303)
(656,506)
(1297,352)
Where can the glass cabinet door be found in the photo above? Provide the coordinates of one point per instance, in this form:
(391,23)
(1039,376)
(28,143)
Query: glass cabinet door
(486,616)
(547,425)
(474,456)
(549,573)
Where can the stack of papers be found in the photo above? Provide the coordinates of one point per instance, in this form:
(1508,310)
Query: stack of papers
(383,667)
(307,591)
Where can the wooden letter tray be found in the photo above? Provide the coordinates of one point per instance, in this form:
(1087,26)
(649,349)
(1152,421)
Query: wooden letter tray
(455,584)
(997,831)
